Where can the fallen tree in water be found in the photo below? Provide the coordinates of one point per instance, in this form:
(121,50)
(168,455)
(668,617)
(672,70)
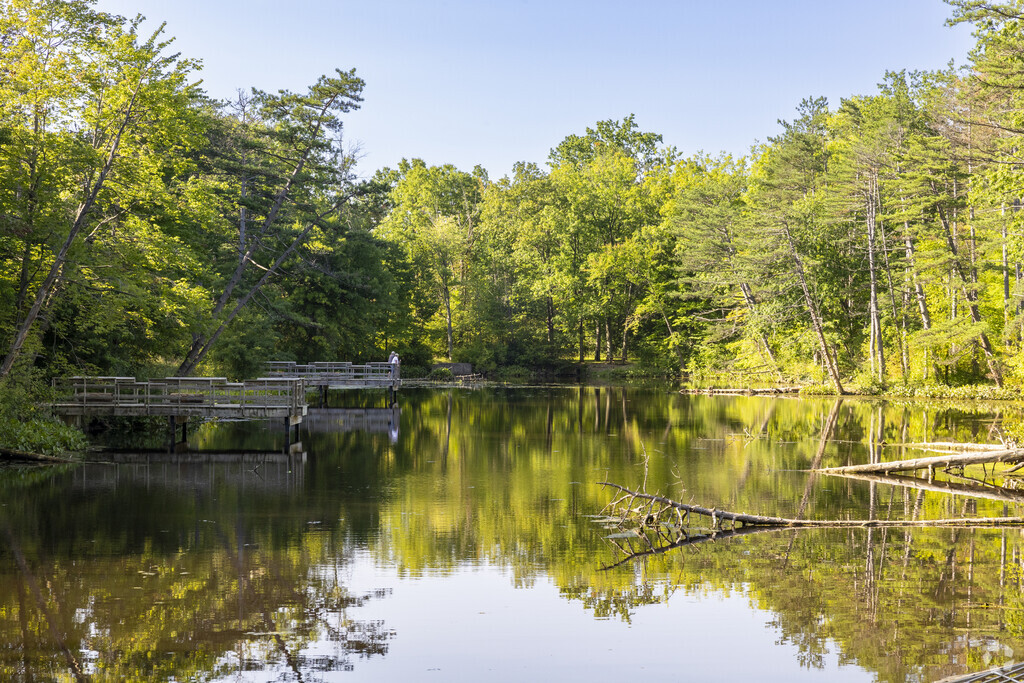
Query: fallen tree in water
(14,456)
(655,510)
(930,463)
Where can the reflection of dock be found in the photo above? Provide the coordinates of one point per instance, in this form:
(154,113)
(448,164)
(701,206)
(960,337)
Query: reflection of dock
(196,472)
(372,420)
(203,457)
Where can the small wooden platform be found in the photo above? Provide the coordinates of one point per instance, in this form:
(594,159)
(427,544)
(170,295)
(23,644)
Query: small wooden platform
(181,397)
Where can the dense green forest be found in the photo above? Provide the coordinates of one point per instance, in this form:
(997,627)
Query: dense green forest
(147,229)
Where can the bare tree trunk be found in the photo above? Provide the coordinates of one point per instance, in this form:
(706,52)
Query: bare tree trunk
(625,321)
(551,320)
(447,298)
(831,365)
(898,312)
(748,299)
(922,301)
(581,340)
(1006,271)
(625,341)
(971,295)
(877,353)
(672,340)
(608,338)
(190,363)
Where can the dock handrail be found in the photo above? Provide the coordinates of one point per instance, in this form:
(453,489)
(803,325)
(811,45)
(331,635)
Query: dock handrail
(177,395)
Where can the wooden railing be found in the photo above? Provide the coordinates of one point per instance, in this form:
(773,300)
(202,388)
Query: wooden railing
(206,396)
(339,375)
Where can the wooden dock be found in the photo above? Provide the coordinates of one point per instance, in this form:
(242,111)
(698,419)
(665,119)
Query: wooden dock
(339,375)
(182,397)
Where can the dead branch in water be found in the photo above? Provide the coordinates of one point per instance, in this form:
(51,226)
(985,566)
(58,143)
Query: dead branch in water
(683,541)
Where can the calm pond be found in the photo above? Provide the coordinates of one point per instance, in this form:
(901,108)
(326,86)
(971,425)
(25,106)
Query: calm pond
(459,543)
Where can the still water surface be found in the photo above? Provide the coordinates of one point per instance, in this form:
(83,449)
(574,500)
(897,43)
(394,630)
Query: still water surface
(458,543)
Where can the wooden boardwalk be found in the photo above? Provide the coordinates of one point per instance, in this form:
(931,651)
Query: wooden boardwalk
(339,375)
(279,396)
(181,397)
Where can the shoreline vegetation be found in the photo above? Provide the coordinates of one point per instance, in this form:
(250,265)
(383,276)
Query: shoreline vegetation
(43,438)
(47,440)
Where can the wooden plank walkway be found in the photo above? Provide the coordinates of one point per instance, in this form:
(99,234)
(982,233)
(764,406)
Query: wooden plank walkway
(339,375)
(181,397)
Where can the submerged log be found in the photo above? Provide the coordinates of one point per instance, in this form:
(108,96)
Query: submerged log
(12,455)
(929,463)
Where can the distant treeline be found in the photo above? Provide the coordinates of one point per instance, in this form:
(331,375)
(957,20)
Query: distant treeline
(147,229)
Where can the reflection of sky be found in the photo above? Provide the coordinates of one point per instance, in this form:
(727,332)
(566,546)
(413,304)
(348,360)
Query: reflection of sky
(474,624)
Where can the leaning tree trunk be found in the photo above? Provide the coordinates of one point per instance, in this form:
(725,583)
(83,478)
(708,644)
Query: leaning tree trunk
(751,302)
(970,293)
(831,366)
(898,313)
(876,350)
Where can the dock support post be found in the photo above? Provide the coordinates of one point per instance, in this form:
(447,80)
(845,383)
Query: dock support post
(291,422)
(172,431)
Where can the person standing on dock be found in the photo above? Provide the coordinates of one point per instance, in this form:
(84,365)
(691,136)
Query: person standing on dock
(395,364)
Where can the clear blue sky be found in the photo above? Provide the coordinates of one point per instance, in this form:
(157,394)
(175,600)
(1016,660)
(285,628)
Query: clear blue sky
(492,82)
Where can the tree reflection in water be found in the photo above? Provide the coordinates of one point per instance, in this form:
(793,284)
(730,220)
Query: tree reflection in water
(199,571)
